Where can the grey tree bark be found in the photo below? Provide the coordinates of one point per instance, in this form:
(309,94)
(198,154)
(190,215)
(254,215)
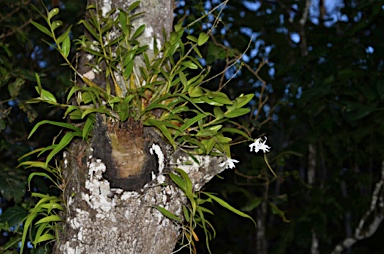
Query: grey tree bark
(113,182)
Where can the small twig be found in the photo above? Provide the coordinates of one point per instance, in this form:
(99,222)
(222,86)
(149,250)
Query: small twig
(304,18)
(10,14)
(234,62)
(211,11)
(264,84)
(14,30)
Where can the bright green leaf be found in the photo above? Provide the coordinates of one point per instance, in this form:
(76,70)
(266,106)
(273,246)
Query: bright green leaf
(56,24)
(195,91)
(237,112)
(160,125)
(208,144)
(178,181)
(60,124)
(48,219)
(64,35)
(183,79)
(43,238)
(67,138)
(203,38)
(228,206)
(192,38)
(219,114)
(190,65)
(88,126)
(243,100)
(133,6)
(167,213)
(138,32)
(42,28)
(66,46)
(53,13)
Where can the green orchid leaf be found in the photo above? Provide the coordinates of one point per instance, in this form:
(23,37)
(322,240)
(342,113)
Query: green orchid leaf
(66,46)
(67,138)
(138,32)
(88,126)
(236,131)
(44,238)
(178,181)
(90,29)
(60,124)
(133,6)
(49,218)
(243,100)
(196,91)
(42,28)
(56,24)
(190,65)
(203,38)
(53,13)
(228,206)
(64,35)
(237,112)
(167,213)
(160,125)
(192,38)
(208,144)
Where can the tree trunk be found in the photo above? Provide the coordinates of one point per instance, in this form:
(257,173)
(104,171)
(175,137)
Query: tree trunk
(113,182)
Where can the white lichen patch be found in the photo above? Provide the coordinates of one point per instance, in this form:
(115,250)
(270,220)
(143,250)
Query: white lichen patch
(198,171)
(65,159)
(160,156)
(189,165)
(77,221)
(129,195)
(89,75)
(107,7)
(99,188)
(66,248)
(160,179)
(148,32)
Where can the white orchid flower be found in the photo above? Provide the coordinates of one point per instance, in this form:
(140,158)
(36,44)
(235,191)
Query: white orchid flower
(259,144)
(229,163)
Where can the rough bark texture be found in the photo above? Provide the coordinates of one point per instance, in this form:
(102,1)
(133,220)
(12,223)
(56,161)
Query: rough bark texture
(101,219)
(113,182)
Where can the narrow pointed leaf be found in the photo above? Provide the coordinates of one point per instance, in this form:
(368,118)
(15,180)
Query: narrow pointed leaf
(64,35)
(49,218)
(167,213)
(178,181)
(42,28)
(229,207)
(62,144)
(45,237)
(60,124)
(237,112)
(133,6)
(66,46)
(163,130)
(138,32)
